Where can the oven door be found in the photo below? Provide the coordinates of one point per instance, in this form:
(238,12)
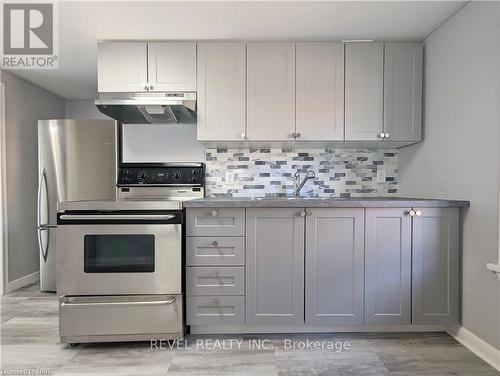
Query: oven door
(115,254)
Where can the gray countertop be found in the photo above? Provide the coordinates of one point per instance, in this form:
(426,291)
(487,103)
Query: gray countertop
(360,202)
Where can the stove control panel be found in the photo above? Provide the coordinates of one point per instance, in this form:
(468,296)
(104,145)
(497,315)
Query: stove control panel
(192,175)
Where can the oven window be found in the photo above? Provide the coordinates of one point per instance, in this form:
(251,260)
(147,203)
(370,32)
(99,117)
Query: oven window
(122,253)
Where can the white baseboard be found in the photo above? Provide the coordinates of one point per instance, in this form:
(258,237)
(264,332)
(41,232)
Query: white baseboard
(23,281)
(481,348)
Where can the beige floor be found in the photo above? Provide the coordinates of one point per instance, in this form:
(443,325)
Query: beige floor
(30,343)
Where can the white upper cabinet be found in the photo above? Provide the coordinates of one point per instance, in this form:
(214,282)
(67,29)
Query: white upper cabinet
(320,91)
(122,66)
(141,66)
(270,91)
(364,90)
(221,91)
(172,66)
(403,91)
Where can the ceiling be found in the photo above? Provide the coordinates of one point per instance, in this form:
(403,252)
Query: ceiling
(83,22)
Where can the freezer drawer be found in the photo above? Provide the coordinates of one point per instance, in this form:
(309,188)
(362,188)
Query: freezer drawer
(205,251)
(215,281)
(118,318)
(215,310)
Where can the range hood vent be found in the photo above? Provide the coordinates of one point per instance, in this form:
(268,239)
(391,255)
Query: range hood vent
(149,108)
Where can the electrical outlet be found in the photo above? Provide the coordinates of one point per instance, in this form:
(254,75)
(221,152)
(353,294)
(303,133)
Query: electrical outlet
(381,175)
(230,178)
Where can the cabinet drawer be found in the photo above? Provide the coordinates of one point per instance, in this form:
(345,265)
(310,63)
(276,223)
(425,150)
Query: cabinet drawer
(215,281)
(215,222)
(215,310)
(201,251)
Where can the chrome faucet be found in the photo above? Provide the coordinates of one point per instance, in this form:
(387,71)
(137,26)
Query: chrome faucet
(299,184)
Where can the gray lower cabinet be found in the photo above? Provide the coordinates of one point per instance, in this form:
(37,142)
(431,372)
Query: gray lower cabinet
(435,277)
(210,250)
(387,266)
(275,266)
(215,280)
(215,222)
(335,266)
(215,310)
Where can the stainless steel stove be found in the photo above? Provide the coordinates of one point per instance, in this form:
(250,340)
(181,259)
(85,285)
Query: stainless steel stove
(119,263)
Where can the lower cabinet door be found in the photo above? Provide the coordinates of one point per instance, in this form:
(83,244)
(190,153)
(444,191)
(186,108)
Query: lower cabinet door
(387,266)
(335,266)
(275,266)
(435,278)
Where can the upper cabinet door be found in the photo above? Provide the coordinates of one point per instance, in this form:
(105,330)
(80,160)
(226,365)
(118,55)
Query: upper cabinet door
(387,266)
(403,91)
(320,91)
(221,91)
(121,66)
(364,90)
(172,66)
(271,91)
(435,274)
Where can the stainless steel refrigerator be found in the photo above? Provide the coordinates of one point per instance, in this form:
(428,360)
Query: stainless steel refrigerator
(76,161)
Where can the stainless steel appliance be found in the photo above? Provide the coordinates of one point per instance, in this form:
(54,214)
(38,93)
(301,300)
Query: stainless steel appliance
(120,262)
(147,108)
(76,161)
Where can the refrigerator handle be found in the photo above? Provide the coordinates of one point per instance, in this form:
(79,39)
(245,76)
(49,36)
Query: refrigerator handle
(44,252)
(42,182)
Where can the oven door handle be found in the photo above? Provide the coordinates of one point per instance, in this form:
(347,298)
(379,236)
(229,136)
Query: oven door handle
(110,217)
(120,304)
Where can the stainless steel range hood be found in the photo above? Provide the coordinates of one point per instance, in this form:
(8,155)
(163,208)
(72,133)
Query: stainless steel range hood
(149,108)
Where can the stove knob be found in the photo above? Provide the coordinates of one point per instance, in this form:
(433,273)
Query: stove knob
(194,180)
(194,172)
(178,175)
(143,176)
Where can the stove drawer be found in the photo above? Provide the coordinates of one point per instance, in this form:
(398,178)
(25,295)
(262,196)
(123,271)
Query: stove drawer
(215,310)
(205,251)
(215,281)
(88,316)
(215,222)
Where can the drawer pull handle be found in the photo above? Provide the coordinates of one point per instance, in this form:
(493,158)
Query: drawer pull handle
(215,213)
(114,304)
(215,244)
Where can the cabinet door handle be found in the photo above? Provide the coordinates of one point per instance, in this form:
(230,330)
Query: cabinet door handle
(412,213)
(387,135)
(298,135)
(303,213)
(243,135)
(215,213)
(145,86)
(418,213)
(293,135)
(215,244)
(150,87)
(381,135)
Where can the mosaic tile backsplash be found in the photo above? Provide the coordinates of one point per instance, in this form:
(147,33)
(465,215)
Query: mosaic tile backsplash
(269,172)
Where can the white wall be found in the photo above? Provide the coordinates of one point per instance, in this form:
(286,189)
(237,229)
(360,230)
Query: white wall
(149,142)
(25,104)
(460,155)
